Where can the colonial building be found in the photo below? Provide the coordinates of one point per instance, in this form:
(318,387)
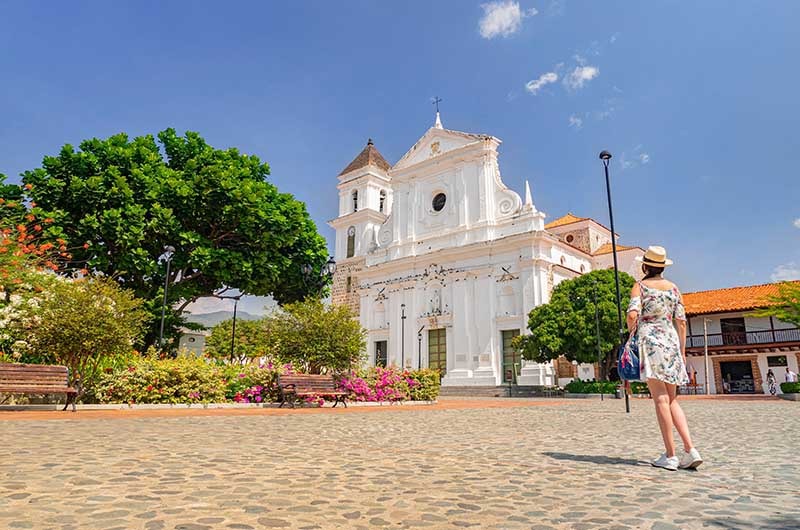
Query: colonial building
(741,347)
(443,262)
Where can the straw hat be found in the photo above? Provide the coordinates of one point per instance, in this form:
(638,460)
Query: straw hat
(655,257)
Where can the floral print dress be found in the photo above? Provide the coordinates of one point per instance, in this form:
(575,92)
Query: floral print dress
(659,346)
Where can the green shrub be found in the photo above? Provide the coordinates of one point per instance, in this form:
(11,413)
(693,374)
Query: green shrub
(639,387)
(576,386)
(790,388)
(151,380)
(427,387)
(76,323)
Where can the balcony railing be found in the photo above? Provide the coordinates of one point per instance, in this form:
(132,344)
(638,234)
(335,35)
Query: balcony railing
(742,338)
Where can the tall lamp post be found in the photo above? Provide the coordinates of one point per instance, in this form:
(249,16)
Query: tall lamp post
(169,251)
(402,336)
(419,348)
(233,326)
(605,156)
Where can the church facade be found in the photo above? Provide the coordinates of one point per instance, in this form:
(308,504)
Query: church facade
(442,262)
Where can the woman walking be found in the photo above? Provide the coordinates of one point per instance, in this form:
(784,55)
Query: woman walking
(772,382)
(657,315)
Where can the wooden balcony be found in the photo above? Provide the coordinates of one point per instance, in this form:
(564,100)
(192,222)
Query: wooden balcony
(769,339)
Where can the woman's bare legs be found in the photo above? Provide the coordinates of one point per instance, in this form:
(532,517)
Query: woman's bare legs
(678,417)
(661,399)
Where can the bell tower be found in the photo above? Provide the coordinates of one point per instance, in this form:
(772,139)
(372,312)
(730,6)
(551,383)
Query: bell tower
(365,201)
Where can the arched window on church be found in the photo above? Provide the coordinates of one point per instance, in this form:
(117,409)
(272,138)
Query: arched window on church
(355,200)
(351,241)
(382,201)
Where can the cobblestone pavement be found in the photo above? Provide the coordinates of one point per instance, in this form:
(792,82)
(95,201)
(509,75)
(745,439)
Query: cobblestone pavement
(578,464)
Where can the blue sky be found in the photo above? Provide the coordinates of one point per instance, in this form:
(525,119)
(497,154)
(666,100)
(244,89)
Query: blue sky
(696,100)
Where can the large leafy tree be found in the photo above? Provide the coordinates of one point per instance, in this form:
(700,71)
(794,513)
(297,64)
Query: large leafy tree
(567,325)
(121,201)
(785,305)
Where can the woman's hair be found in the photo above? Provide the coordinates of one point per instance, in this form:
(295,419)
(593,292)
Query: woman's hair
(651,271)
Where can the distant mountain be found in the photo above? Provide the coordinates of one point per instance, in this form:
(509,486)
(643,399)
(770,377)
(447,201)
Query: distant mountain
(210,320)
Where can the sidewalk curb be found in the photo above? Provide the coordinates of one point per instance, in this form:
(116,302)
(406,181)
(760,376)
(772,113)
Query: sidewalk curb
(201,406)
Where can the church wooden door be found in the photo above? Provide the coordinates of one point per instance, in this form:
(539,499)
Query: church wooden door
(437,350)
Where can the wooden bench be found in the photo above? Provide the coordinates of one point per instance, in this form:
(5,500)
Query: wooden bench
(294,387)
(37,379)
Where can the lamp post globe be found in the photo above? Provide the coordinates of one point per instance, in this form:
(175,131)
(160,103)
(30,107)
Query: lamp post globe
(306,269)
(605,155)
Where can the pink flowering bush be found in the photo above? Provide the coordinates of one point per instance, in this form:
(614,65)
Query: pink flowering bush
(254,383)
(391,384)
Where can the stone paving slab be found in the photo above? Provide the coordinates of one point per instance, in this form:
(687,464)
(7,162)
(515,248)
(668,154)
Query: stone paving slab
(494,464)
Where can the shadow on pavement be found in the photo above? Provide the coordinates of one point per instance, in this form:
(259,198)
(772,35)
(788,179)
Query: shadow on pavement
(597,459)
(777,522)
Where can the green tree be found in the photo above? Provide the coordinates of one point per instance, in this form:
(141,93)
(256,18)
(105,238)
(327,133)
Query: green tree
(77,323)
(567,325)
(317,338)
(252,341)
(121,201)
(785,305)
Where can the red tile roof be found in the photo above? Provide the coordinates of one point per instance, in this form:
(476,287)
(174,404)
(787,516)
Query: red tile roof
(565,220)
(731,299)
(369,156)
(607,249)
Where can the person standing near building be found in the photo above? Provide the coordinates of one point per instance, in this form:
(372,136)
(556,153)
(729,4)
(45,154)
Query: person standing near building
(656,314)
(772,382)
(791,377)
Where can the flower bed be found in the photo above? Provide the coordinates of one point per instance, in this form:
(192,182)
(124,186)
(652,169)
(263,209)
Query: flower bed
(392,384)
(196,380)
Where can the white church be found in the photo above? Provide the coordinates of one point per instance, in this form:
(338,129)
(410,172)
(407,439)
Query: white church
(442,262)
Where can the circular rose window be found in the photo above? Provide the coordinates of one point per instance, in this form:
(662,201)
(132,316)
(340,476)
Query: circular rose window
(438,202)
(570,238)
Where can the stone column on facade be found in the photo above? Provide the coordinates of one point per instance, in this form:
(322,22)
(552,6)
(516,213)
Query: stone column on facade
(459,335)
(485,301)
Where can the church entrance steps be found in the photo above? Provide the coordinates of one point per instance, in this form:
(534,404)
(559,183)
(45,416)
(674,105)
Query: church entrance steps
(474,391)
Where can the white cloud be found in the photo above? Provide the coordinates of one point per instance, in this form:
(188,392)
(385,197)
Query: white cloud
(785,272)
(502,19)
(644,158)
(580,76)
(614,38)
(797,223)
(576,122)
(544,79)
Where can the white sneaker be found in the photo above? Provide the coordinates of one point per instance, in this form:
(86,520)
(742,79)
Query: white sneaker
(667,462)
(691,460)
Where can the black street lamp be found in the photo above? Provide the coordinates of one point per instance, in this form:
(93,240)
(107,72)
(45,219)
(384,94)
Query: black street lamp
(402,336)
(169,251)
(605,156)
(233,327)
(419,348)
(318,283)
